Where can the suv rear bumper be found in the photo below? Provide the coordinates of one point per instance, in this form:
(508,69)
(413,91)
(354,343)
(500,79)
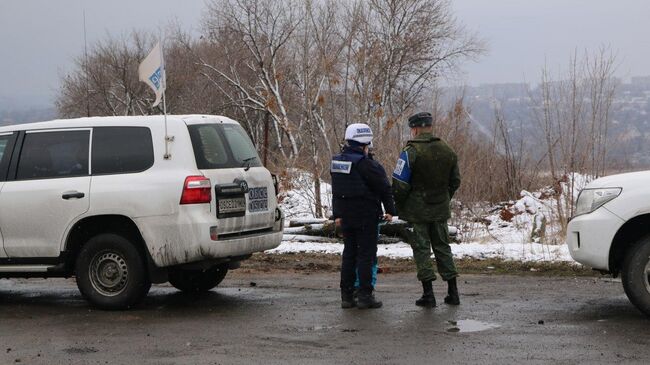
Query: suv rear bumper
(247,244)
(590,237)
(182,239)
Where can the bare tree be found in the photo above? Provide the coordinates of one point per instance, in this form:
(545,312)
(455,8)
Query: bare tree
(312,67)
(264,28)
(573,114)
(107,80)
(318,49)
(602,87)
(516,164)
(398,51)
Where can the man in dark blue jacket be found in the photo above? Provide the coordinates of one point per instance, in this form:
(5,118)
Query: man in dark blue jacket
(359,187)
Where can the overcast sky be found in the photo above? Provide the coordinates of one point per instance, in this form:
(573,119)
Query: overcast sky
(39,38)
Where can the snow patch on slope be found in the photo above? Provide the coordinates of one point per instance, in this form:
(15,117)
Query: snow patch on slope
(525,229)
(298,202)
(507,251)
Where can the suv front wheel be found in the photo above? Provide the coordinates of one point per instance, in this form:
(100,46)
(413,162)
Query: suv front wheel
(636,275)
(197,281)
(111,273)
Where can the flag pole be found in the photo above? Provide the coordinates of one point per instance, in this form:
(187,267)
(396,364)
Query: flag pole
(168,138)
(153,73)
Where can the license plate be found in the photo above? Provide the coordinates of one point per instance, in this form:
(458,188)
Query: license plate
(258,200)
(232,205)
(258,206)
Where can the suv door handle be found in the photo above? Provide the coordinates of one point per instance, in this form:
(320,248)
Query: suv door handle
(72,195)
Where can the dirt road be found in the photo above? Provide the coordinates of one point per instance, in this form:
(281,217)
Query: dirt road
(266,318)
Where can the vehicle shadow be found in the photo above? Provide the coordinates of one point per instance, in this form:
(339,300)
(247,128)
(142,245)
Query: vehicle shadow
(215,299)
(27,299)
(616,308)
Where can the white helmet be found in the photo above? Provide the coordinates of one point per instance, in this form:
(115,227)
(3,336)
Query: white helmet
(360,133)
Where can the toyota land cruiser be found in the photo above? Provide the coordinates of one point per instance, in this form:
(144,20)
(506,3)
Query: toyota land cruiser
(610,232)
(123,202)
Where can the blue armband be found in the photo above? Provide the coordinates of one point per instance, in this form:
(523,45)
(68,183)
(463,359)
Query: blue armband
(402,171)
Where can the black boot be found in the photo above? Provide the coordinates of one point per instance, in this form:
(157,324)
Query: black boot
(368,301)
(347,299)
(452,293)
(428,299)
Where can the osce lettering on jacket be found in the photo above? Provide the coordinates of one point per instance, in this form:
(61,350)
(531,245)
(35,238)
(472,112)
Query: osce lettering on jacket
(341,167)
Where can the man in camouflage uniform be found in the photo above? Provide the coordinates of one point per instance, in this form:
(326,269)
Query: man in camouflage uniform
(424,181)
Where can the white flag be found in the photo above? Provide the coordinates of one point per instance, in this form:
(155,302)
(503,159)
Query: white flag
(152,72)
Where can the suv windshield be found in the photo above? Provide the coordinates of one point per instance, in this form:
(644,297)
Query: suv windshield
(220,146)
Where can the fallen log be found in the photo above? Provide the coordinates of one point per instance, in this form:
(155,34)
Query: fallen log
(397,229)
(308,238)
(300,222)
(385,240)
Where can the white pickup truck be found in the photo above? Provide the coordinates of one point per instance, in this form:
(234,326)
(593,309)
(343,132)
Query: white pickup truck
(610,232)
(116,204)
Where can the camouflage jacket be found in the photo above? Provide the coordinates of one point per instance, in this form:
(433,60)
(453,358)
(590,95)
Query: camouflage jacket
(434,178)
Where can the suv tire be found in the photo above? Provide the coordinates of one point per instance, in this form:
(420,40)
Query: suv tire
(635,275)
(110,272)
(197,281)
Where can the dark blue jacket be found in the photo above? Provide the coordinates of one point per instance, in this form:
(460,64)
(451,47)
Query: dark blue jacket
(359,187)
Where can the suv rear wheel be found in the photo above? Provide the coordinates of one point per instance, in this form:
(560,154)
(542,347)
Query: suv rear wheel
(636,275)
(197,281)
(111,273)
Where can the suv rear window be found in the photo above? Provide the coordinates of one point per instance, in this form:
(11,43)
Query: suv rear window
(54,155)
(120,150)
(220,146)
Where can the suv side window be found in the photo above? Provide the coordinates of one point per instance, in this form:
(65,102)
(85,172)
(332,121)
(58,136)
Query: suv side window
(59,154)
(6,147)
(120,150)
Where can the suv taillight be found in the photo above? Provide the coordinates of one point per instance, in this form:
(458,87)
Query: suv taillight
(196,190)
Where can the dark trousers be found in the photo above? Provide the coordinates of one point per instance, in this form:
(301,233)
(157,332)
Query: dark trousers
(359,252)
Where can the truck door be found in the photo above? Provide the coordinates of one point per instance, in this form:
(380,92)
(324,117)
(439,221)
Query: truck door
(7,142)
(47,192)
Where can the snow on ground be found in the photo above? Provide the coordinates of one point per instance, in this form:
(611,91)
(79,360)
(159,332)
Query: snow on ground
(515,221)
(298,202)
(507,251)
(520,230)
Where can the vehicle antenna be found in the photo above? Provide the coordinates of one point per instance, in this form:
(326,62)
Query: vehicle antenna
(86,66)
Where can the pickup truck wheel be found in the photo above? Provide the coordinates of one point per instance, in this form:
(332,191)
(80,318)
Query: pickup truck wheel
(197,281)
(636,275)
(111,273)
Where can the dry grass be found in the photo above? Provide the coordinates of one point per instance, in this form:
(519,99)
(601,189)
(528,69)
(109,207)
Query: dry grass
(313,262)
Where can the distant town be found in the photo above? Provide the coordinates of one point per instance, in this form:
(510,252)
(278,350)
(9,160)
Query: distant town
(630,115)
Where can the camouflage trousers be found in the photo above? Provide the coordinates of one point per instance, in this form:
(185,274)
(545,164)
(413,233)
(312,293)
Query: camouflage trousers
(432,236)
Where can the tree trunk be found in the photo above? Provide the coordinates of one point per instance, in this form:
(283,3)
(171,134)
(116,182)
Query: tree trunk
(318,204)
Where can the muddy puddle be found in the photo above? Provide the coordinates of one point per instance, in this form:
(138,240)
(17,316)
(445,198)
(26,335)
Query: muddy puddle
(470,325)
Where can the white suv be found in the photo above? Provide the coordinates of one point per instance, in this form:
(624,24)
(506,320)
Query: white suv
(611,232)
(99,199)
